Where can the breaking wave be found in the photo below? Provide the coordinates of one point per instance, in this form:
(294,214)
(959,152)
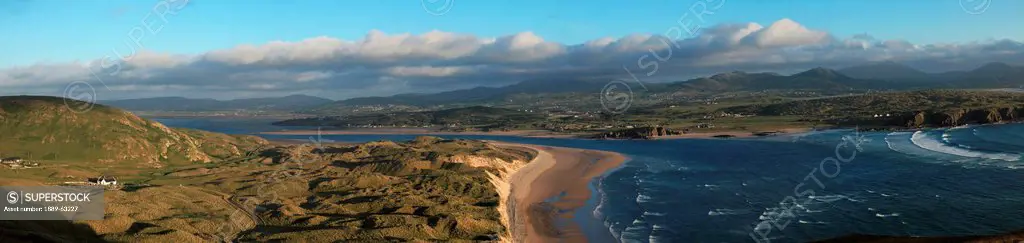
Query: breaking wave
(929,142)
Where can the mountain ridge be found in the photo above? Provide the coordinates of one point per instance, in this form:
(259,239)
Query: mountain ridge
(886,75)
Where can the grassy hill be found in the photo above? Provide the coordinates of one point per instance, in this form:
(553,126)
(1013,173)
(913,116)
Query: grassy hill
(910,109)
(425,190)
(44,128)
(428,189)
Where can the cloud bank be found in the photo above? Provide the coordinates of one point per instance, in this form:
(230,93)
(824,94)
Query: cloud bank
(385,64)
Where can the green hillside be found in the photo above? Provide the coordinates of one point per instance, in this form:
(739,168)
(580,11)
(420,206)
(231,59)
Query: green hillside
(44,128)
(932,108)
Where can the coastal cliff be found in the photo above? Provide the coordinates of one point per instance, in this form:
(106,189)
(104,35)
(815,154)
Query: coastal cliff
(959,116)
(637,133)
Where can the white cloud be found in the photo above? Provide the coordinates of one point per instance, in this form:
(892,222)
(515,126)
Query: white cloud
(783,33)
(427,71)
(384,64)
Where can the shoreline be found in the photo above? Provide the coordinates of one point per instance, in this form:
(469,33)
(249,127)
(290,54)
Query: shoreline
(547,192)
(535,133)
(423,131)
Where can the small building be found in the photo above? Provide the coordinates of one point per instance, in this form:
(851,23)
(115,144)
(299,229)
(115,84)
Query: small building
(103,181)
(11,160)
(107,181)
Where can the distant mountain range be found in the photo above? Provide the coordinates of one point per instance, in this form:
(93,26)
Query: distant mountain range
(285,103)
(814,79)
(989,75)
(871,76)
(887,70)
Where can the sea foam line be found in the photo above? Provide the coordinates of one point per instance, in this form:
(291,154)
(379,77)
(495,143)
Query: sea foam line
(925,141)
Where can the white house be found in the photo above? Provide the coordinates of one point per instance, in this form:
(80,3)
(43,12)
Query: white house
(104,181)
(108,181)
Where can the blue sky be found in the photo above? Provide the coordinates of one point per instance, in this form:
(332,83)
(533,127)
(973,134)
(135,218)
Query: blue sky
(63,30)
(342,49)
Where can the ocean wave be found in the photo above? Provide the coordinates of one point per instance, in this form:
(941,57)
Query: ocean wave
(641,198)
(887,215)
(722,211)
(709,186)
(925,141)
(776,213)
(811,222)
(961,127)
(634,232)
(832,198)
(646,213)
(653,237)
(893,142)
(882,193)
(611,229)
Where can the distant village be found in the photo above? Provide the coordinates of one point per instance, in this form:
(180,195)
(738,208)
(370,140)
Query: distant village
(18,163)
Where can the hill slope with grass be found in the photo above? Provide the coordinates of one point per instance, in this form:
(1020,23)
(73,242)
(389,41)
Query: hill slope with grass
(425,190)
(45,128)
(932,108)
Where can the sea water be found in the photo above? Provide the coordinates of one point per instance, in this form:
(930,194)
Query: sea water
(940,182)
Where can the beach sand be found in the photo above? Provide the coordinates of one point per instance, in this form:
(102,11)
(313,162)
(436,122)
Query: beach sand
(561,174)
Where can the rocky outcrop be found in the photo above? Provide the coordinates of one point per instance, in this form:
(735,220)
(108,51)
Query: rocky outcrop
(959,117)
(917,120)
(637,133)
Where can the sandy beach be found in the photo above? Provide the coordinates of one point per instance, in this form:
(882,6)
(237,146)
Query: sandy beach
(562,174)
